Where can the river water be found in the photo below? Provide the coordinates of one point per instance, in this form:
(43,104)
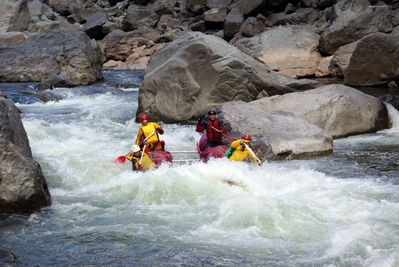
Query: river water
(339,210)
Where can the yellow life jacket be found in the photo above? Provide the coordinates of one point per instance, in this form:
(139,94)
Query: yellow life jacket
(146,162)
(241,152)
(146,131)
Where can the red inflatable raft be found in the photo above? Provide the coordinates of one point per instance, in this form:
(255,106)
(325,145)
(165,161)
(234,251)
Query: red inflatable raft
(209,152)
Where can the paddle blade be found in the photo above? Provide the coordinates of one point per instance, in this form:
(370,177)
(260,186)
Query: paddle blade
(120,160)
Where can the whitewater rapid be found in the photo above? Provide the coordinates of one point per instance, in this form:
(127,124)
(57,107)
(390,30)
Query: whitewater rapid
(334,211)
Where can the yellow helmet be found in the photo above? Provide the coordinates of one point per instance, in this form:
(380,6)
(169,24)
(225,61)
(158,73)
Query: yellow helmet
(135,148)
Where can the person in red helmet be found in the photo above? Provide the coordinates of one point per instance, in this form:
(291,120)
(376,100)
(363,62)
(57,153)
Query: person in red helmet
(146,129)
(214,135)
(240,149)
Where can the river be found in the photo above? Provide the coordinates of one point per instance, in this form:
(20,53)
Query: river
(339,210)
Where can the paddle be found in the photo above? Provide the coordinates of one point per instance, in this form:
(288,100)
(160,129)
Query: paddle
(219,131)
(258,161)
(122,159)
(142,154)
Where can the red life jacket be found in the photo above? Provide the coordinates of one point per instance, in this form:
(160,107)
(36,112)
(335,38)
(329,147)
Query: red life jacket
(212,135)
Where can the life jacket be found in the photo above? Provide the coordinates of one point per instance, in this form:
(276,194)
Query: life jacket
(240,153)
(229,152)
(147,130)
(146,162)
(212,135)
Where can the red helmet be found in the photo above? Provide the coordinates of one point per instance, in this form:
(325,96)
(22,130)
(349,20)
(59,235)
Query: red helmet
(143,117)
(246,137)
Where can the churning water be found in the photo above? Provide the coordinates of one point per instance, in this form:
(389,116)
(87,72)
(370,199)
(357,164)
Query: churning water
(340,210)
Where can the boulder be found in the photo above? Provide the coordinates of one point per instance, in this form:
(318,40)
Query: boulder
(289,50)
(65,7)
(340,110)
(275,135)
(322,69)
(37,9)
(253,26)
(352,22)
(340,61)
(215,15)
(195,5)
(196,73)
(300,16)
(14,15)
(22,184)
(233,23)
(11,37)
(119,45)
(245,7)
(93,26)
(137,16)
(67,55)
(374,61)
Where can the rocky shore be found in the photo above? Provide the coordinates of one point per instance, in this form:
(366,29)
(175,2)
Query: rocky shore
(255,60)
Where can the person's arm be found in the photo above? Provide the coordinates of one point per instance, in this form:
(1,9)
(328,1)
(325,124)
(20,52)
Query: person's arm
(221,128)
(235,144)
(158,128)
(200,128)
(139,135)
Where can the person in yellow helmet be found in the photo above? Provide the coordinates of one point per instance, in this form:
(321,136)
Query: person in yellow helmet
(146,129)
(140,160)
(240,151)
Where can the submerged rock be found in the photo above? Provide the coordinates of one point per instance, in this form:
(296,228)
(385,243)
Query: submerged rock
(340,110)
(67,55)
(276,135)
(196,73)
(22,184)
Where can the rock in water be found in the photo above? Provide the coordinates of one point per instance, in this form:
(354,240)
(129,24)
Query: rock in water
(340,110)
(196,73)
(22,184)
(67,56)
(276,135)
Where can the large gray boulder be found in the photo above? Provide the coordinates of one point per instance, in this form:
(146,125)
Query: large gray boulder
(196,73)
(340,61)
(14,15)
(340,110)
(276,135)
(65,56)
(352,22)
(289,50)
(22,184)
(375,60)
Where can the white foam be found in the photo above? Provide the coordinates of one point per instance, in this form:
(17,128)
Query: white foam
(270,209)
